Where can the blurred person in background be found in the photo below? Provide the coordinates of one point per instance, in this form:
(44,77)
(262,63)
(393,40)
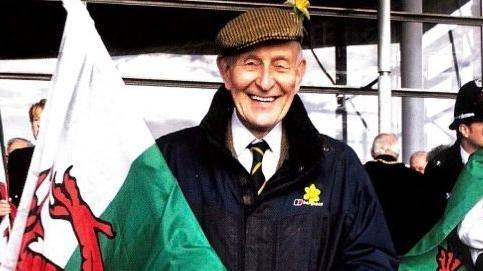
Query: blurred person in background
(436,151)
(400,191)
(19,160)
(418,161)
(17,143)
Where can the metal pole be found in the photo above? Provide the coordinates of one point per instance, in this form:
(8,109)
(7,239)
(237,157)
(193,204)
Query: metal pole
(384,66)
(341,79)
(455,58)
(413,113)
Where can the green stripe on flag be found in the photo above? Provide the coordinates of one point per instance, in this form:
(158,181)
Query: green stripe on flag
(467,192)
(155,228)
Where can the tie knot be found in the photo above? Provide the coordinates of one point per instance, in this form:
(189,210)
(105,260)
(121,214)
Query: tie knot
(259,147)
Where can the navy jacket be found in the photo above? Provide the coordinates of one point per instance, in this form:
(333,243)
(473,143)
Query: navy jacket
(344,229)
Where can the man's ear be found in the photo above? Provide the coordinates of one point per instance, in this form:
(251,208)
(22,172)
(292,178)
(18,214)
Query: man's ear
(300,71)
(464,130)
(224,70)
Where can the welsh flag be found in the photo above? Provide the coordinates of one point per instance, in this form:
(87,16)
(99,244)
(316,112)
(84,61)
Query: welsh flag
(99,195)
(432,252)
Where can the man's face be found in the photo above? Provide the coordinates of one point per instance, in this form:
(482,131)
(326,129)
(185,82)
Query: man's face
(35,125)
(472,136)
(418,163)
(263,82)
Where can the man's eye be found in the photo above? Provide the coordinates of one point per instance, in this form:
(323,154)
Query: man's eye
(281,65)
(251,63)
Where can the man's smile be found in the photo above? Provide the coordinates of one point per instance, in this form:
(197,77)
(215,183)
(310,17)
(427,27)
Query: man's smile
(262,99)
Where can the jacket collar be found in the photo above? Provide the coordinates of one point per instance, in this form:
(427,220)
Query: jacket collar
(385,157)
(305,144)
(217,120)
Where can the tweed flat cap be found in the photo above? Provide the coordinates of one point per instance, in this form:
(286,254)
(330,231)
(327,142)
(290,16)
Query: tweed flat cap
(257,26)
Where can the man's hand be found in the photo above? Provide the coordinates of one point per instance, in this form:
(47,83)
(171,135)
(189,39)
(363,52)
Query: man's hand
(4,207)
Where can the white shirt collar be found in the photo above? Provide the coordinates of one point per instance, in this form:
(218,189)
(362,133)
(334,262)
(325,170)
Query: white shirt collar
(464,155)
(242,137)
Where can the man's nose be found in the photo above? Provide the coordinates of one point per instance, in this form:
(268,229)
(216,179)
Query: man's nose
(265,79)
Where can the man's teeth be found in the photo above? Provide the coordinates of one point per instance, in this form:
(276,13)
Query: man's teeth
(262,99)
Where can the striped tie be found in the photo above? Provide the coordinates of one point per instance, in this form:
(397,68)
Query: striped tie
(258,149)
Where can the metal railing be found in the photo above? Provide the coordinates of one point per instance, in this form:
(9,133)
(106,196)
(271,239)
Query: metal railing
(315,11)
(398,92)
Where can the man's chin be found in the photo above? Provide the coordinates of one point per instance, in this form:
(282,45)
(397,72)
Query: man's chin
(262,128)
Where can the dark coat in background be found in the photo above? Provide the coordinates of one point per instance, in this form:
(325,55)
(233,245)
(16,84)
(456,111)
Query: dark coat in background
(17,169)
(441,173)
(401,192)
(279,230)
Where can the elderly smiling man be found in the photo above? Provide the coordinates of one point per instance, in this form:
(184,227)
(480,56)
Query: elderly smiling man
(269,191)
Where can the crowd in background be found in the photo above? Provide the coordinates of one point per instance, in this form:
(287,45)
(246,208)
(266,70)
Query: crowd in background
(414,198)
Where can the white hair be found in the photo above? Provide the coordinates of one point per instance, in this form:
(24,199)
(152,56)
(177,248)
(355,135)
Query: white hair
(385,144)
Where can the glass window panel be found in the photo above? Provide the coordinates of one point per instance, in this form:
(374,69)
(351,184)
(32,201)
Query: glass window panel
(170,109)
(439,115)
(16,97)
(362,119)
(451,55)
(451,52)
(470,8)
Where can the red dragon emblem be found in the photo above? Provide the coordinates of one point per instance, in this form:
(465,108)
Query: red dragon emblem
(68,205)
(447,260)
(3,191)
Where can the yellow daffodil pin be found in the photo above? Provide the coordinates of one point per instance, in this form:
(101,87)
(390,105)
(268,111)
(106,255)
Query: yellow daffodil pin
(312,194)
(300,7)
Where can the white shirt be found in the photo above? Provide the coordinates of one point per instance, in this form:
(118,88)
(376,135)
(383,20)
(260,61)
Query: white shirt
(464,155)
(242,137)
(470,230)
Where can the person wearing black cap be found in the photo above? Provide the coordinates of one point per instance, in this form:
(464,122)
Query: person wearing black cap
(269,191)
(442,171)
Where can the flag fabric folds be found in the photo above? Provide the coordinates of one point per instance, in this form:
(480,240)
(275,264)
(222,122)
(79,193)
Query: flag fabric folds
(99,195)
(432,251)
